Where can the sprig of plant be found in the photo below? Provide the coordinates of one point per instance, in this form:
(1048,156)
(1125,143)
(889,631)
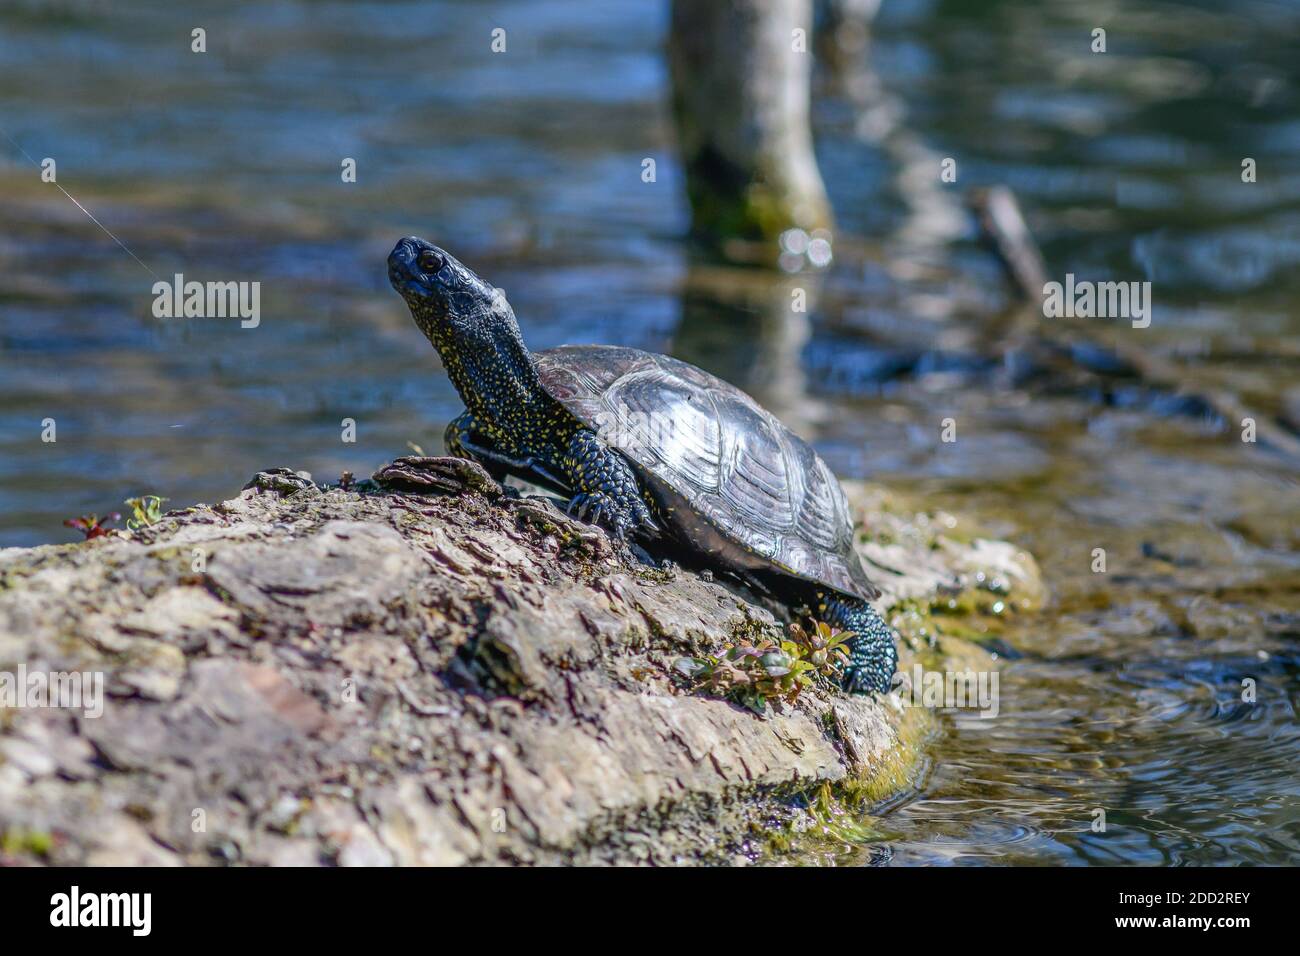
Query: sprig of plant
(754,673)
(146,510)
(92,525)
(827,647)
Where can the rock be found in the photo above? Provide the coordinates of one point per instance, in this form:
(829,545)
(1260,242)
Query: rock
(190,615)
(446,675)
(341,574)
(284,481)
(420,832)
(26,756)
(362,848)
(446,474)
(155,669)
(128,844)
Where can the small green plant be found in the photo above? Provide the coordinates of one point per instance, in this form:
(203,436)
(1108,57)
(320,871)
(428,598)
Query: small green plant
(145,511)
(754,673)
(92,525)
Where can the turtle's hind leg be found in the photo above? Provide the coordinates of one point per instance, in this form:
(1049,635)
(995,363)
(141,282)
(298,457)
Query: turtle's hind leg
(872,655)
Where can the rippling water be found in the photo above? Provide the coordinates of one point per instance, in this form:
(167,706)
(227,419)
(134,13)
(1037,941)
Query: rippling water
(1124,695)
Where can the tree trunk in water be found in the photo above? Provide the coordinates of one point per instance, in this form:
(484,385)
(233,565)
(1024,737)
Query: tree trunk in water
(741,73)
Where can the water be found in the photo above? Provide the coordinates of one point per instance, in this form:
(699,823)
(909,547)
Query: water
(1124,695)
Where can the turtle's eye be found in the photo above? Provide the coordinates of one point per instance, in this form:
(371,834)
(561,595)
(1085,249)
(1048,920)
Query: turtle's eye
(430,261)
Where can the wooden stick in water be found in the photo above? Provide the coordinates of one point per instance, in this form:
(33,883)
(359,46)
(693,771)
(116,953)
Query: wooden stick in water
(1004,226)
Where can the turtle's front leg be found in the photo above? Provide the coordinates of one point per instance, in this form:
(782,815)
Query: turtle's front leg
(607,490)
(458,436)
(465,439)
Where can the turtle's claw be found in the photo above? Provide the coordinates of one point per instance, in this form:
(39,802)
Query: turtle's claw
(588,507)
(621,521)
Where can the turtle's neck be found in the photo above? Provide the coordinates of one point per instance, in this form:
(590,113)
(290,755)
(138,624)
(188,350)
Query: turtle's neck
(492,369)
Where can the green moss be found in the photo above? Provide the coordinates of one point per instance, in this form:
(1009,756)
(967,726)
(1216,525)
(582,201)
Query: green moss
(974,614)
(834,818)
(729,207)
(19,841)
(10,577)
(774,840)
(896,770)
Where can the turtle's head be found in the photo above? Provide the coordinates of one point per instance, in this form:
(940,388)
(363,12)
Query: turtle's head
(444,296)
(469,322)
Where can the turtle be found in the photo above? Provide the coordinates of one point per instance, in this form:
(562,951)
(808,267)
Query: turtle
(653,449)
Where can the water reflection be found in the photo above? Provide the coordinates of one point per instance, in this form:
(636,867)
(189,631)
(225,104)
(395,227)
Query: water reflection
(750,327)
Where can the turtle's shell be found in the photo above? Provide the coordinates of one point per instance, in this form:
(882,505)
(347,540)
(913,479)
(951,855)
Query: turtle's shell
(711,452)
